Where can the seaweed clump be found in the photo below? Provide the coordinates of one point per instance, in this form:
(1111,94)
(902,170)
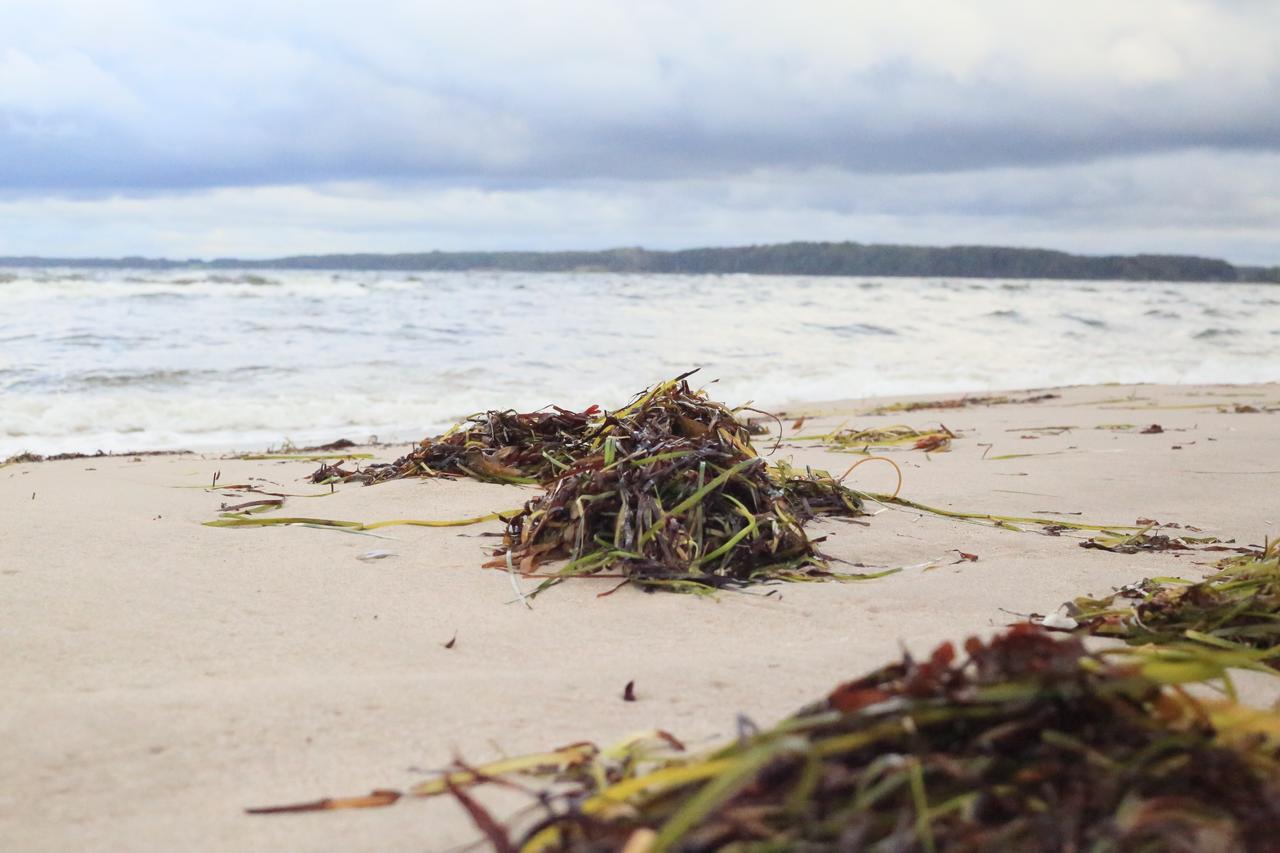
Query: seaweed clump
(1022,742)
(668,491)
(1237,608)
(1026,742)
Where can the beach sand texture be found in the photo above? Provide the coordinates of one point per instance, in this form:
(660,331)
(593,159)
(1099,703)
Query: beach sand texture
(157,676)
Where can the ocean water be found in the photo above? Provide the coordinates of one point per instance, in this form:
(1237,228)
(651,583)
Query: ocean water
(139,360)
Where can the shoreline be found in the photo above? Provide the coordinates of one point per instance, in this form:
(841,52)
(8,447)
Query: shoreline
(161,676)
(789,409)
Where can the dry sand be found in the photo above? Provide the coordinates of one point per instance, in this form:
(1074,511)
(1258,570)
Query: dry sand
(157,676)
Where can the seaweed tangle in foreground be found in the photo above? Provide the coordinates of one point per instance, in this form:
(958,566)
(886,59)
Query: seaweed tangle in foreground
(1024,742)
(1027,743)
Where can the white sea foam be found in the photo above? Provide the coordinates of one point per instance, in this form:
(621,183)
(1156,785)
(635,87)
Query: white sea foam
(140,359)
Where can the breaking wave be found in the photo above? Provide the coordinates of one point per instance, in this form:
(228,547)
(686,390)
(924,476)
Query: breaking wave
(146,359)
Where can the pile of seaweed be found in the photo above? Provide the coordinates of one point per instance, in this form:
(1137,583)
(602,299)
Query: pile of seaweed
(1236,608)
(666,492)
(1024,742)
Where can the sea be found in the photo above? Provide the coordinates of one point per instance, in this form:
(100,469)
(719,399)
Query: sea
(135,360)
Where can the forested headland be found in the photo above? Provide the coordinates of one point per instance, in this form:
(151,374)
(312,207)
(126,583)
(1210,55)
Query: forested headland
(826,259)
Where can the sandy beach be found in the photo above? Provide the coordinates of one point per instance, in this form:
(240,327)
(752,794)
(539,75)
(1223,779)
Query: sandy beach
(159,676)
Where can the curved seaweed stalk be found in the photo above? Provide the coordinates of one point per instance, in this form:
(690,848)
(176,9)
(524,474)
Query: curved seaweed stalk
(245,520)
(1008,522)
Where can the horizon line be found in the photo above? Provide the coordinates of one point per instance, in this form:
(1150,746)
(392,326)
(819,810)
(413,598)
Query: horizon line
(613,250)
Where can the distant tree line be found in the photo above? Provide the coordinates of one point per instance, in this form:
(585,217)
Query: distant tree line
(845,259)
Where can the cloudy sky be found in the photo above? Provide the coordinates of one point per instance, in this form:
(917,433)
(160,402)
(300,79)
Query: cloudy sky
(226,128)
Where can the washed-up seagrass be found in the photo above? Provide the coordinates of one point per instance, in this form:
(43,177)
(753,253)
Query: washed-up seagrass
(669,492)
(1024,742)
(1237,608)
(666,492)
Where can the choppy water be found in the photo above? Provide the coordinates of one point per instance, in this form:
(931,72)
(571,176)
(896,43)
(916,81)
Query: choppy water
(140,360)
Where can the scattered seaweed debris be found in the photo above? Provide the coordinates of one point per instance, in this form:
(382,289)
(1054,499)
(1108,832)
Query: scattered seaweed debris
(1147,540)
(246,518)
(669,493)
(338,444)
(1052,429)
(373,800)
(27,457)
(960,403)
(1236,608)
(1025,742)
(898,435)
(495,447)
(272,456)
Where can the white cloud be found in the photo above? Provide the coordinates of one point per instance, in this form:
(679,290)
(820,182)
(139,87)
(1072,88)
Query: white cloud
(1193,203)
(407,124)
(237,93)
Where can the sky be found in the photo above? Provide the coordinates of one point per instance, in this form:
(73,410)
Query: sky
(256,129)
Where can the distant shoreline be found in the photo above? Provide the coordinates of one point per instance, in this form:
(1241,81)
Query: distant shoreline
(814,259)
